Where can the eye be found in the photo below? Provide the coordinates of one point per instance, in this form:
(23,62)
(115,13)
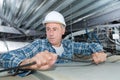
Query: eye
(47,29)
(54,29)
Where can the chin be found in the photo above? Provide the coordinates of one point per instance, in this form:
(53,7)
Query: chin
(52,42)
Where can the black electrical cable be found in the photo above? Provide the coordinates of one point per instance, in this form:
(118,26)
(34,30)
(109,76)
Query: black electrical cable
(29,64)
(18,67)
(81,56)
(75,60)
(59,57)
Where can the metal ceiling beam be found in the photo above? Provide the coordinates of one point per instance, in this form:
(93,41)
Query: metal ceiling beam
(89,8)
(64,5)
(8,10)
(58,8)
(107,9)
(103,9)
(78,12)
(27,12)
(112,6)
(73,9)
(12,30)
(17,10)
(5,8)
(6,29)
(40,12)
(80,5)
(1,3)
(31,10)
(106,18)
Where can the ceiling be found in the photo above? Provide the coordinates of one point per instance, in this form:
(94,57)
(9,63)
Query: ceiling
(25,16)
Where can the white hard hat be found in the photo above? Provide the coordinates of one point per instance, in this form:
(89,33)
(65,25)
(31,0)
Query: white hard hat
(54,16)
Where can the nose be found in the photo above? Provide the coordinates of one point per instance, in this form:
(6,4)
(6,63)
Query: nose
(51,32)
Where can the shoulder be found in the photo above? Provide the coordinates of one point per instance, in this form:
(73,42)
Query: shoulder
(39,41)
(67,42)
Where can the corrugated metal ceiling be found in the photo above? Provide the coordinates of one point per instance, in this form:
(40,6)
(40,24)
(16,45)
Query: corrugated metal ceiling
(28,14)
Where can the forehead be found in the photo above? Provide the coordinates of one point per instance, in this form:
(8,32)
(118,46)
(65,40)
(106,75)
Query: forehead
(53,24)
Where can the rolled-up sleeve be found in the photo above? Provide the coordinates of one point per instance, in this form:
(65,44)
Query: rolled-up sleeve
(86,48)
(95,47)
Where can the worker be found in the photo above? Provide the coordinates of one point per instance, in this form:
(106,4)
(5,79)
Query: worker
(45,51)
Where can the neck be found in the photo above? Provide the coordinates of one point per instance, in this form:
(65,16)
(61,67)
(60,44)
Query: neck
(57,45)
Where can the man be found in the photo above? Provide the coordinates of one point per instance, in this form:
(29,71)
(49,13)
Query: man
(44,51)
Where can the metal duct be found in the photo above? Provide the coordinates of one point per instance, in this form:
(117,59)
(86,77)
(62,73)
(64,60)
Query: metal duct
(10,45)
(77,33)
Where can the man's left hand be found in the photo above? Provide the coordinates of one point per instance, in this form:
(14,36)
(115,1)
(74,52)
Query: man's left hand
(99,57)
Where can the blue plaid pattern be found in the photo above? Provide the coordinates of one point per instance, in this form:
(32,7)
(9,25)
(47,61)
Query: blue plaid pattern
(15,57)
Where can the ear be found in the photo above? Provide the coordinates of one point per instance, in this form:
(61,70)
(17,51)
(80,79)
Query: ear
(63,32)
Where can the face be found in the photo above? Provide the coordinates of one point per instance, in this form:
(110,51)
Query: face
(54,32)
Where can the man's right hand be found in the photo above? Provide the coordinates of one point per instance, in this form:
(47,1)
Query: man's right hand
(44,60)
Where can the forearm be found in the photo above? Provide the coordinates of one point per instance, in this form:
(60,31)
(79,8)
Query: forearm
(16,57)
(87,48)
(8,62)
(95,47)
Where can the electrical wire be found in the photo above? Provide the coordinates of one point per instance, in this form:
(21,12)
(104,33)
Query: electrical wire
(4,40)
(33,63)
(18,67)
(75,60)
(59,57)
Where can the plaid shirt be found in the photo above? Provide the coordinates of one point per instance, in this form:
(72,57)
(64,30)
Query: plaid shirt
(15,57)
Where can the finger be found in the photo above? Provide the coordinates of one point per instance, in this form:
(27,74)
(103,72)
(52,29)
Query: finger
(53,59)
(45,67)
(39,63)
(48,55)
(44,60)
(41,59)
(96,58)
(32,66)
(103,57)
